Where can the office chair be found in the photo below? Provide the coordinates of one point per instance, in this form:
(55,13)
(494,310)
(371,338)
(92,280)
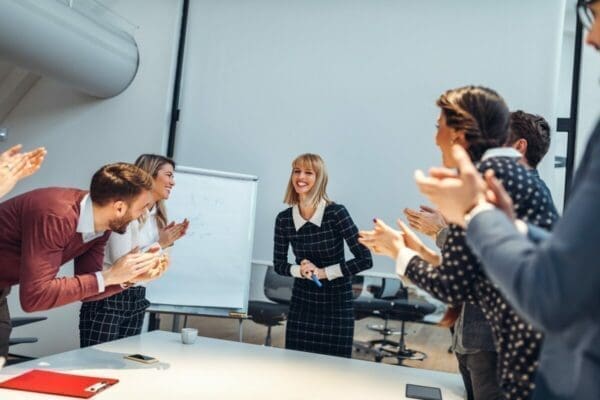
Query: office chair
(396,307)
(12,341)
(278,289)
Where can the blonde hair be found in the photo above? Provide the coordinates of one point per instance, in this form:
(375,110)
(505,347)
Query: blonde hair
(319,190)
(151,163)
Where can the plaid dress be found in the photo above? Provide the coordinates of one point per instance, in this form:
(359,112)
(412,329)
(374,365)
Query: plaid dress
(320,320)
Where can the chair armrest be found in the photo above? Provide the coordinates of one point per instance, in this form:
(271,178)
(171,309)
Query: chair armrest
(19,321)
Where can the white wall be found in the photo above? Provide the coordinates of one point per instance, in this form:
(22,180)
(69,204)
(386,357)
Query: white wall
(589,98)
(82,133)
(355,81)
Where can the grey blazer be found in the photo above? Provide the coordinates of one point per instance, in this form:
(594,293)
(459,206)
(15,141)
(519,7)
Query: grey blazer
(554,283)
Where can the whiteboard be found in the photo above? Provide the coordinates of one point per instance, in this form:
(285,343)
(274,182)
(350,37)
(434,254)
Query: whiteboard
(210,266)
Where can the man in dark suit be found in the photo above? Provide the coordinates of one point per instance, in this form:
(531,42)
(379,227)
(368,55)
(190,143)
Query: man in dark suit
(551,279)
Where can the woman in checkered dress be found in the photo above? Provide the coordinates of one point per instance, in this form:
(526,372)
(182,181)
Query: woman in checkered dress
(321,319)
(122,315)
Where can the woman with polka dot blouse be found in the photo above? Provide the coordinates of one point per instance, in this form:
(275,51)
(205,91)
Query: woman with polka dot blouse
(477,119)
(321,317)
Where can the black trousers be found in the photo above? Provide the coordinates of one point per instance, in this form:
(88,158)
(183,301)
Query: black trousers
(115,317)
(479,373)
(5,325)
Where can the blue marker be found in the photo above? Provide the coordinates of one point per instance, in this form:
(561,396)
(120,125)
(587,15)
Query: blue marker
(316,280)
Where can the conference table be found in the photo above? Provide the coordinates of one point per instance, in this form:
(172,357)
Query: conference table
(220,369)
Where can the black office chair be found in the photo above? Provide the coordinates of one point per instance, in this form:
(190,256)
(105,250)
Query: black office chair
(13,341)
(397,307)
(278,289)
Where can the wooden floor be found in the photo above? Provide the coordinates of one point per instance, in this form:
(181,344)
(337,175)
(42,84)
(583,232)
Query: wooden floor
(432,340)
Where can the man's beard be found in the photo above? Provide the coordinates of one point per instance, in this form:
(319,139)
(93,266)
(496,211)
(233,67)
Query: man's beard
(119,225)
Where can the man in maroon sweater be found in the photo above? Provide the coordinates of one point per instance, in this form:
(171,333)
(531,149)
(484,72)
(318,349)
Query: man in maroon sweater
(45,228)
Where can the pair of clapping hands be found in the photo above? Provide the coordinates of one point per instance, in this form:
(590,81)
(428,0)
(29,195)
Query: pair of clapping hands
(151,263)
(137,267)
(15,166)
(308,269)
(387,241)
(454,192)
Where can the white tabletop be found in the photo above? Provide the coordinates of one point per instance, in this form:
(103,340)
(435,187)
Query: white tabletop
(219,369)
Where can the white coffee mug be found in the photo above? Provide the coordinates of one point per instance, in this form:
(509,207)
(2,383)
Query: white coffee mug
(188,335)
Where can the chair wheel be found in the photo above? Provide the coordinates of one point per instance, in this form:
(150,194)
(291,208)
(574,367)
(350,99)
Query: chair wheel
(378,358)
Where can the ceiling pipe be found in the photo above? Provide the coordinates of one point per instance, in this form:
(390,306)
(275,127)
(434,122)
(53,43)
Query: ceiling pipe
(56,41)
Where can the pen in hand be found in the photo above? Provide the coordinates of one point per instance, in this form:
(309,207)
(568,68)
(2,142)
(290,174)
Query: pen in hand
(313,275)
(316,280)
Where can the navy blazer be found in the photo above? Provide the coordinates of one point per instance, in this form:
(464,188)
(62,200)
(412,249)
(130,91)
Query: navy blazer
(555,284)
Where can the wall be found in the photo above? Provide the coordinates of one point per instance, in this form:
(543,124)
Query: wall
(82,133)
(589,97)
(356,82)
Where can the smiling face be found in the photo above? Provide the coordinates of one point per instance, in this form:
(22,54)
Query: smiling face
(308,181)
(164,181)
(303,179)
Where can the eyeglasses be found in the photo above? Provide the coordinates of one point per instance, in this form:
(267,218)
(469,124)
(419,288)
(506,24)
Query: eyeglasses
(585,14)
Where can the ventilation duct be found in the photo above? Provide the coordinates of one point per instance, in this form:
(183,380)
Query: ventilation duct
(54,40)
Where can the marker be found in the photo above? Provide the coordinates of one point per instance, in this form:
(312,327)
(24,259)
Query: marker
(316,280)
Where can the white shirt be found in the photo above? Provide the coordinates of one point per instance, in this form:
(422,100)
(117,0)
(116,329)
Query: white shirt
(142,235)
(85,226)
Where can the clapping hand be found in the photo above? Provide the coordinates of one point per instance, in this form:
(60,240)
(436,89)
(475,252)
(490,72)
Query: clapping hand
(425,220)
(158,268)
(172,232)
(15,166)
(454,194)
(382,239)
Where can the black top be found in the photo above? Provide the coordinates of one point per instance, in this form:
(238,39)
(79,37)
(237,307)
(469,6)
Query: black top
(323,246)
(460,278)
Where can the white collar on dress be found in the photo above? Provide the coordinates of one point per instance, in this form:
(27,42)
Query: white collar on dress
(501,152)
(316,219)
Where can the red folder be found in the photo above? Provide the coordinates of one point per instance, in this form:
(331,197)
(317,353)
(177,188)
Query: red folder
(49,382)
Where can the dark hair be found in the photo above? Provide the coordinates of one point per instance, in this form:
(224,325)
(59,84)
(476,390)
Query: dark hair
(119,181)
(480,113)
(535,130)
(152,163)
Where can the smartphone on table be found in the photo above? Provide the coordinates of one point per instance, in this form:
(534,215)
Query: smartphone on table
(142,358)
(423,392)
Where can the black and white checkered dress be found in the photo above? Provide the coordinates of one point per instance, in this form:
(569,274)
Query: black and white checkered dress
(460,278)
(321,320)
